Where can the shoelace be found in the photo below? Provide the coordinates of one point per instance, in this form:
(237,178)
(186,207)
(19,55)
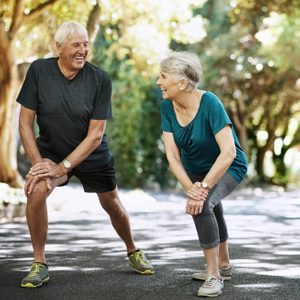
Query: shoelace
(210,281)
(139,257)
(34,271)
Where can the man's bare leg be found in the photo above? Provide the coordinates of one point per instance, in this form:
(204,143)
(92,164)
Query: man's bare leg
(37,217)
(119,217)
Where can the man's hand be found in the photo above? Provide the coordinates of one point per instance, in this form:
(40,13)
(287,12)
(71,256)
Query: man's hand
(31,181)
(47,168)
(194,207)
(196,192)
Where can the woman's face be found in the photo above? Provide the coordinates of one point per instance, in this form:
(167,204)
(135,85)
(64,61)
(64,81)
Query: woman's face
(168,85)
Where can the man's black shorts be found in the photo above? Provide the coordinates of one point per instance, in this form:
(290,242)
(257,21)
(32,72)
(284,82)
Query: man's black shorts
(96,179)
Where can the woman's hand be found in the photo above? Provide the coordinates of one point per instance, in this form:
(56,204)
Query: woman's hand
(47,168)
(194,207)
(196,192)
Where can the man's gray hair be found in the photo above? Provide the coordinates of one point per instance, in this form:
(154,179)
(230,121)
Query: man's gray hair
(67,29)
(183,65)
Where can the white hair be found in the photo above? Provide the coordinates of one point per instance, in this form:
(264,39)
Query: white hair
(67,29)
(183,65)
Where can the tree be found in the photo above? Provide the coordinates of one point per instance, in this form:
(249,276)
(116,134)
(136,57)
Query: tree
(251,59)
(273,96)
(131,43)
(140,32)
(20,20)
(12,17)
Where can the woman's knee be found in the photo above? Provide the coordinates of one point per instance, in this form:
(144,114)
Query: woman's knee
(208,209)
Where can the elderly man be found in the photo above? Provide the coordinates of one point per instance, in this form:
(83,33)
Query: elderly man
(71,99)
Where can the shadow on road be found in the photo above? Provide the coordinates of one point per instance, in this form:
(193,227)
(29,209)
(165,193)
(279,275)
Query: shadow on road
(88,261)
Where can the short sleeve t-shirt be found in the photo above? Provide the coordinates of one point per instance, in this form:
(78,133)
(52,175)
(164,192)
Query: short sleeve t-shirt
(196,141)
(65,107)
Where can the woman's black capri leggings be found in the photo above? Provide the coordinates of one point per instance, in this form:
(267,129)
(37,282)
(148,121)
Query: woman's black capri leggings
(210,224)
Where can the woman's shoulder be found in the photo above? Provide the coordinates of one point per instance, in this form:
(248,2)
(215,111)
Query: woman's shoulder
(211,98)
(210,95)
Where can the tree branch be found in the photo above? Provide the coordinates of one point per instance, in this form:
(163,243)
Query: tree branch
(93,21)
(36,12)
(17,18)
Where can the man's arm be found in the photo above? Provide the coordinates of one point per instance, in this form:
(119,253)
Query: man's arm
(26,120)
(89,144)
(80,153)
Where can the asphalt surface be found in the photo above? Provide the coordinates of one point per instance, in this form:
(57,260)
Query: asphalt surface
(87,260)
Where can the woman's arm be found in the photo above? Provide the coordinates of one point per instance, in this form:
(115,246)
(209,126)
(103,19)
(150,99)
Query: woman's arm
(195,197)
(178,170)
(175,164)
(227,154)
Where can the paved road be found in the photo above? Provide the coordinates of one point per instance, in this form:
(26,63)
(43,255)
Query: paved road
(87,260)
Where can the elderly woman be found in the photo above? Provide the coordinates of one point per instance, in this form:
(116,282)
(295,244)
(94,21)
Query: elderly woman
(205,155)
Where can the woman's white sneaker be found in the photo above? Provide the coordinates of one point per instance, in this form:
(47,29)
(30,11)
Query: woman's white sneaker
(225,272)
(212,287)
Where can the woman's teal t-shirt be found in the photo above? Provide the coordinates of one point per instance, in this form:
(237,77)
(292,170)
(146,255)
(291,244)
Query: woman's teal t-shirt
(196,141)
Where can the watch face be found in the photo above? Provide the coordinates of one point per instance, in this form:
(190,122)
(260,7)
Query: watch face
(204,185)
(67,164)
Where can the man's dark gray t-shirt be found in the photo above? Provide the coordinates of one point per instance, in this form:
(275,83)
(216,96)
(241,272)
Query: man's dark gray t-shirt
(65,107)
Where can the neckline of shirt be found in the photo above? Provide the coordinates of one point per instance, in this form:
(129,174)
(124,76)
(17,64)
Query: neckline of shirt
(192,121)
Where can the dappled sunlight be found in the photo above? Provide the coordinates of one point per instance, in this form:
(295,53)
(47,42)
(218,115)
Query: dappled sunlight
(263,224)
(290,272)
(257,286)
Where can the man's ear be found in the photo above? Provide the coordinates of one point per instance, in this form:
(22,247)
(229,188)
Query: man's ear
(58,47)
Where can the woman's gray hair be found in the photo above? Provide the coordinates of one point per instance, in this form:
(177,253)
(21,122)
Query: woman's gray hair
(67,29)
(183,65)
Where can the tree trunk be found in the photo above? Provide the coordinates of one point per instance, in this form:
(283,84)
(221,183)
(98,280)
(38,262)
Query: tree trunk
(243,138)
(238,118)
(8,83)
(260,157)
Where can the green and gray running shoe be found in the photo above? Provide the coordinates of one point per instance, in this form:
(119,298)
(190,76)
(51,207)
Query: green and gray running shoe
(37,276)
(139,262)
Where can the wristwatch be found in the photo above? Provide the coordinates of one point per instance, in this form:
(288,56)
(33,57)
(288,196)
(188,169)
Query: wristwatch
(67,164)
(204,185)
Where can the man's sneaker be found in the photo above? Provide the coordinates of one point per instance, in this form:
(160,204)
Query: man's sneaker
(225,272)
(139,262)
(37,276)
(212,287)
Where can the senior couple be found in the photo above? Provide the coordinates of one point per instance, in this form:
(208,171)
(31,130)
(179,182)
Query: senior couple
(71,100)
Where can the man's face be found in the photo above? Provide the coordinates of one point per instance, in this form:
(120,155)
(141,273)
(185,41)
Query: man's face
(73,54)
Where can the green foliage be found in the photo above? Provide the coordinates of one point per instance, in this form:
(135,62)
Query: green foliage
(134,131)
(250,57)
(251,60)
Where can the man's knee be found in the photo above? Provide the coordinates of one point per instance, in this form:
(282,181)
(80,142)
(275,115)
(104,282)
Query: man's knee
(40,191)
(112,204)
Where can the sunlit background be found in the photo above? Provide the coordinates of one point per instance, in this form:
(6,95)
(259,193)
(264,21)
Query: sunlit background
(250,53)
(250,56)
